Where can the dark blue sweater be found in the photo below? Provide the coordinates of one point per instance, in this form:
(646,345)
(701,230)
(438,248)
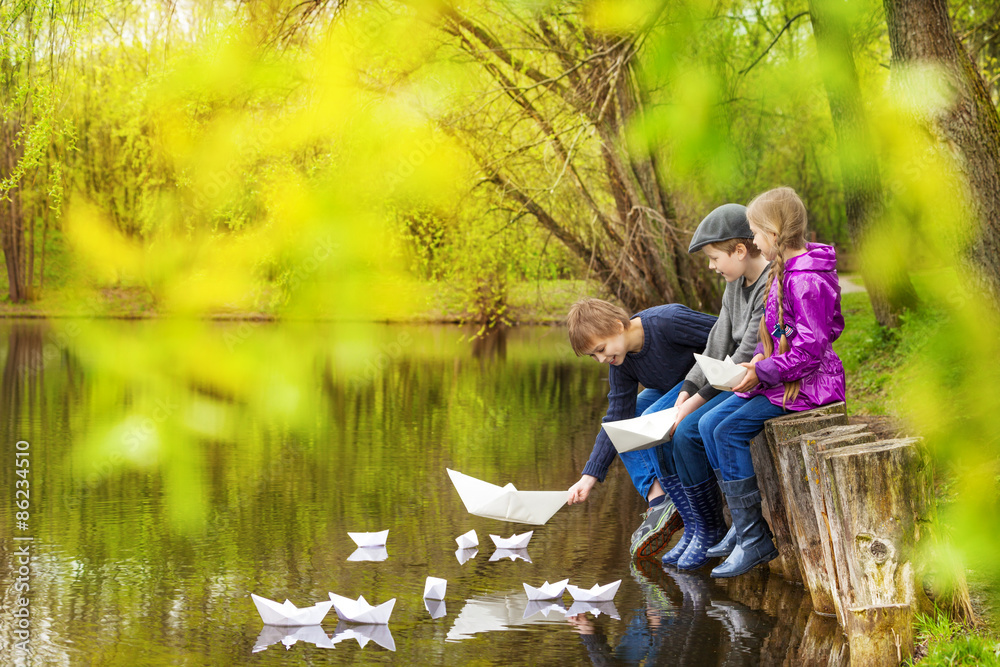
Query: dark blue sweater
(672,333)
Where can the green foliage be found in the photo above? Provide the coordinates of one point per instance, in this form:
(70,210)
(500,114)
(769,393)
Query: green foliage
(949,643)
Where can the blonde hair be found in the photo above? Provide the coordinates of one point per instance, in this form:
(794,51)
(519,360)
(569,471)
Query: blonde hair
(729,246)
(590,319)
(782,213)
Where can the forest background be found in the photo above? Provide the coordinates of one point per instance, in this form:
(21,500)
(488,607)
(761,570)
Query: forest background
(490,162)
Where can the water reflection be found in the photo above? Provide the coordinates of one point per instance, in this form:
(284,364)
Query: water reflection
(175,474)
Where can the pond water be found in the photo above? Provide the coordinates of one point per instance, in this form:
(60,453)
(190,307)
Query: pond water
(176,467)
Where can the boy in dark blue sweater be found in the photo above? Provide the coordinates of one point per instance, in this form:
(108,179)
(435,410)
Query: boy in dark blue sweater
(654,348)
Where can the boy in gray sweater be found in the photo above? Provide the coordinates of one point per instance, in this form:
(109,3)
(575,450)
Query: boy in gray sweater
(724,236)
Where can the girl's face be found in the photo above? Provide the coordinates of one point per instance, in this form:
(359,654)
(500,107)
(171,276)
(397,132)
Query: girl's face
(766,241)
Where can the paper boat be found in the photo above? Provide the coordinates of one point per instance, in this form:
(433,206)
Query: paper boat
(595,608)
(373,554)
(512,554)
(286,613)
(464,555)
(543,607)
(468,540)
(436,608)
(596,594)
(546,591)
(512,542)
(359,611)
(434,588)
(379,634)
(310,634)
(370,539)
(641,432)
(507,503)
(722,375)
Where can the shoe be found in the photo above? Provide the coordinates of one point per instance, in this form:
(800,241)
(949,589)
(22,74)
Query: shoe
(658,525)
(672,485)
(754,543)
(709,526)
(728,543)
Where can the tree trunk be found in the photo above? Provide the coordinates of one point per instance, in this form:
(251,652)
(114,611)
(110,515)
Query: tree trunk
(11,218)
(889,288)
(920,32)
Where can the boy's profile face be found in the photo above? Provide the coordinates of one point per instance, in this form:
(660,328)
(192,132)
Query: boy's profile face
(730,267)
(609,349)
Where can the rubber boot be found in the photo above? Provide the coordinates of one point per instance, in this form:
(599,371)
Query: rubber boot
(709,526)
(672,485)
(728,543)
(754,543)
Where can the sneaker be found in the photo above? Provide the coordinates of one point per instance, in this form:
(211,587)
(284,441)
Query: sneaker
(658,525)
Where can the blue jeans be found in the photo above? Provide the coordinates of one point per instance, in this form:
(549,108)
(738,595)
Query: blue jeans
(648,465)
(690,459)
(728,429)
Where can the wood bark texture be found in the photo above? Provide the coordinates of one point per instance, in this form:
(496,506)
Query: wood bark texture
(880,635)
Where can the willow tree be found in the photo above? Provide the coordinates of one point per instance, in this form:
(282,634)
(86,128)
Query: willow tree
(548,133)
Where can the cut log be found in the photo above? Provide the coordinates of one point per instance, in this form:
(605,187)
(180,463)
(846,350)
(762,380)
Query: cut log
(880,635)
(877,501)
(824,644)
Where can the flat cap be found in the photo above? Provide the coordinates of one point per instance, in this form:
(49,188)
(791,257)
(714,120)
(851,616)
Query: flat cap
(728,221)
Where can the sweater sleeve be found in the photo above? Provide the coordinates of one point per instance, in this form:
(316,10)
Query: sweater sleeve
(813,328)
(621,405)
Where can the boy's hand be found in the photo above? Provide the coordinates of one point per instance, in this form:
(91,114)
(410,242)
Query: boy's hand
(681,397)
(750,380)
(689,406)
(579,491)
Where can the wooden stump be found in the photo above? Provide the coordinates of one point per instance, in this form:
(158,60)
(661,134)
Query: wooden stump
(823,644)
(771,487)
(877,502)
(881,635)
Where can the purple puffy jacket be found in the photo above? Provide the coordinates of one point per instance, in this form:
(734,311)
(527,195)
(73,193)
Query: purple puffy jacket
(812,308)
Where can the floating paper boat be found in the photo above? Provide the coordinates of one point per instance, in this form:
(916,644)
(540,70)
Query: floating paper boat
(512,542)
(285,613)
(596,594)
(507,503)
(595,608)
(373,554)
(465,554)
(434,588)
(370,539)
(378,633)
(641,432)
(359,611)
(309,634)
(468,540)
(546,591)
(544,607)
(436,608)
(513,554)
(722,375)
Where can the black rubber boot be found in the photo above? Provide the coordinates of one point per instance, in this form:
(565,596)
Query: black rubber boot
(754,543)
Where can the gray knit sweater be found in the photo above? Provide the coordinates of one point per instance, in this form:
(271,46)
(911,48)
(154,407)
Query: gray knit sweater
(734,334)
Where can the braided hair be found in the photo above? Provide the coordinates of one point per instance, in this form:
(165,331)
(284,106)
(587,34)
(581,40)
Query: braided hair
(782,213)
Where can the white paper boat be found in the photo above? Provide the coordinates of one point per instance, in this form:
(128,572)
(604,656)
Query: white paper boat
(310,634)
(512,542)
(464,555)
(359,611)
(595,594)
(372,554)
(436,608)
(595,608)
(468,540)
(370,539)
(285,613)
(434,588)
(507,503)
(543,607)
(722,375)
(641,432)
(513,554)
(378,633)
(546,591)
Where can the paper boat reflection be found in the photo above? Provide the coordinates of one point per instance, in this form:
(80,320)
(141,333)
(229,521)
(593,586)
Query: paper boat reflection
(378,633)
(595,608)
(310,634)
(512,554)
(374,554)
(285,613)
(491,613)
(543,607)
(465,554)
(436,608)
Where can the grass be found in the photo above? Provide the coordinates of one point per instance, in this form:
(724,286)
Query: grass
(944,643)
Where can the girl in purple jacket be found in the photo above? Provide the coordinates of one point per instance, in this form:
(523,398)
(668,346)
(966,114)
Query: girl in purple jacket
(794,367)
